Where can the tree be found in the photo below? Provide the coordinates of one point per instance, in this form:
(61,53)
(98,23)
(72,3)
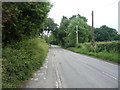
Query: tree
(79,16)
(62,31)
(49,25)
(66,34)
(83,31)
(105,33)
(23,20)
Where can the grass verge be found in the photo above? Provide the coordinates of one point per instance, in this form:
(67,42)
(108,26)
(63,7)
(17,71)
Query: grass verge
(21,60)
(110,56)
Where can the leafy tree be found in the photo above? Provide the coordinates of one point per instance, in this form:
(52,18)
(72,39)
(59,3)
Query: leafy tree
(83,31)
(23,20)
(79,16)
(66,34)
(105,33)
(49,25)
(62,31)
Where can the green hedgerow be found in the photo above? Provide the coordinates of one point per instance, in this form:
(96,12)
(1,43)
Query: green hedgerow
(21,60)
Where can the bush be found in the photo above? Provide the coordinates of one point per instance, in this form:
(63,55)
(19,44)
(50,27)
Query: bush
(100,46)
(21,60)
(107,46)
(104,50)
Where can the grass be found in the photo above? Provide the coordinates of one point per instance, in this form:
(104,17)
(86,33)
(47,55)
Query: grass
(21,60)
(110,56)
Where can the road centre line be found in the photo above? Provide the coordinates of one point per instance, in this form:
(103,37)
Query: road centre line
(110,75)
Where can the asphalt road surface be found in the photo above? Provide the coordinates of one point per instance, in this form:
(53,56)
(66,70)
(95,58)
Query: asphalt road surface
(66,69)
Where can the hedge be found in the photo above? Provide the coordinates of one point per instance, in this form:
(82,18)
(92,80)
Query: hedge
(21,60)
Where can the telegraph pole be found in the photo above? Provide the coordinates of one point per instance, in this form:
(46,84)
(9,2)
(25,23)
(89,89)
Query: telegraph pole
(92,33)
(119,17)
(92,26)
(77,34)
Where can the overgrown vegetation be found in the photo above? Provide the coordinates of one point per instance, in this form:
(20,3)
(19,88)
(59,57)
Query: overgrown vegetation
(23,52)
(104,50)
(21,60)
(23,20)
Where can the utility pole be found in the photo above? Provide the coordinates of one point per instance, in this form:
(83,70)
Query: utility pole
(119,17)
(92,26)
(77,34)
(92,33)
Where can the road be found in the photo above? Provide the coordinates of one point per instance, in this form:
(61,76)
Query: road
(66,69)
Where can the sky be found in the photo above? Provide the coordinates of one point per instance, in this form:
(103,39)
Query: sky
(105,11)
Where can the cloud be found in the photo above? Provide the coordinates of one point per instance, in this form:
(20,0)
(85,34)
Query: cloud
(105,11)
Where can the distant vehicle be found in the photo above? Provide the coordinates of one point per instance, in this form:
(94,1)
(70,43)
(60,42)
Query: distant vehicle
(50,43)
(53,43)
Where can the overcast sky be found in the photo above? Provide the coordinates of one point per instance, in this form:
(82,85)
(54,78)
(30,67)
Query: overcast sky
(105,11)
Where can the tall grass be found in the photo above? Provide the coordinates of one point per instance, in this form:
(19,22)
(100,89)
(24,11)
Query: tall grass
(21,60)
(104,50)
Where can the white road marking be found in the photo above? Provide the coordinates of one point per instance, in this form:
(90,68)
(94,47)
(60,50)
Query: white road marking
(110,75)
(36,79)
(44,78)
(59,81)
(56,84)
(60,86)
(46,66)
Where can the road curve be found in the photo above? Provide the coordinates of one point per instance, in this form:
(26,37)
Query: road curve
(66,69)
